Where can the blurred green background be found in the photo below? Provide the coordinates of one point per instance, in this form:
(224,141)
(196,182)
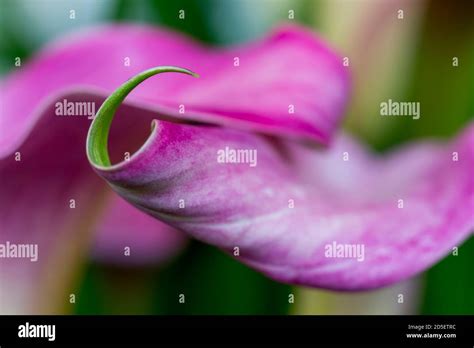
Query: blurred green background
(408,58)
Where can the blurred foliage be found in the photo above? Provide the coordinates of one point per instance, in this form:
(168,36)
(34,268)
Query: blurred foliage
(449,285)
(166,13)
(10,44)
(212,283)
(445,92)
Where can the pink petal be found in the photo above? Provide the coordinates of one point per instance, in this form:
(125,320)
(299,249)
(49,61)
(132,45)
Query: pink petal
(290,67)
(346,202)
(127,236)
(35,209)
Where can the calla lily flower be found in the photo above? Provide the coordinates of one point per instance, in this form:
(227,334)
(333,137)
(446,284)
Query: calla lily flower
(294,214)
(274,98)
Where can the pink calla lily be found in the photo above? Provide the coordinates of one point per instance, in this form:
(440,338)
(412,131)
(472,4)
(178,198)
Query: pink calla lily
(283,213)
(280,213)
